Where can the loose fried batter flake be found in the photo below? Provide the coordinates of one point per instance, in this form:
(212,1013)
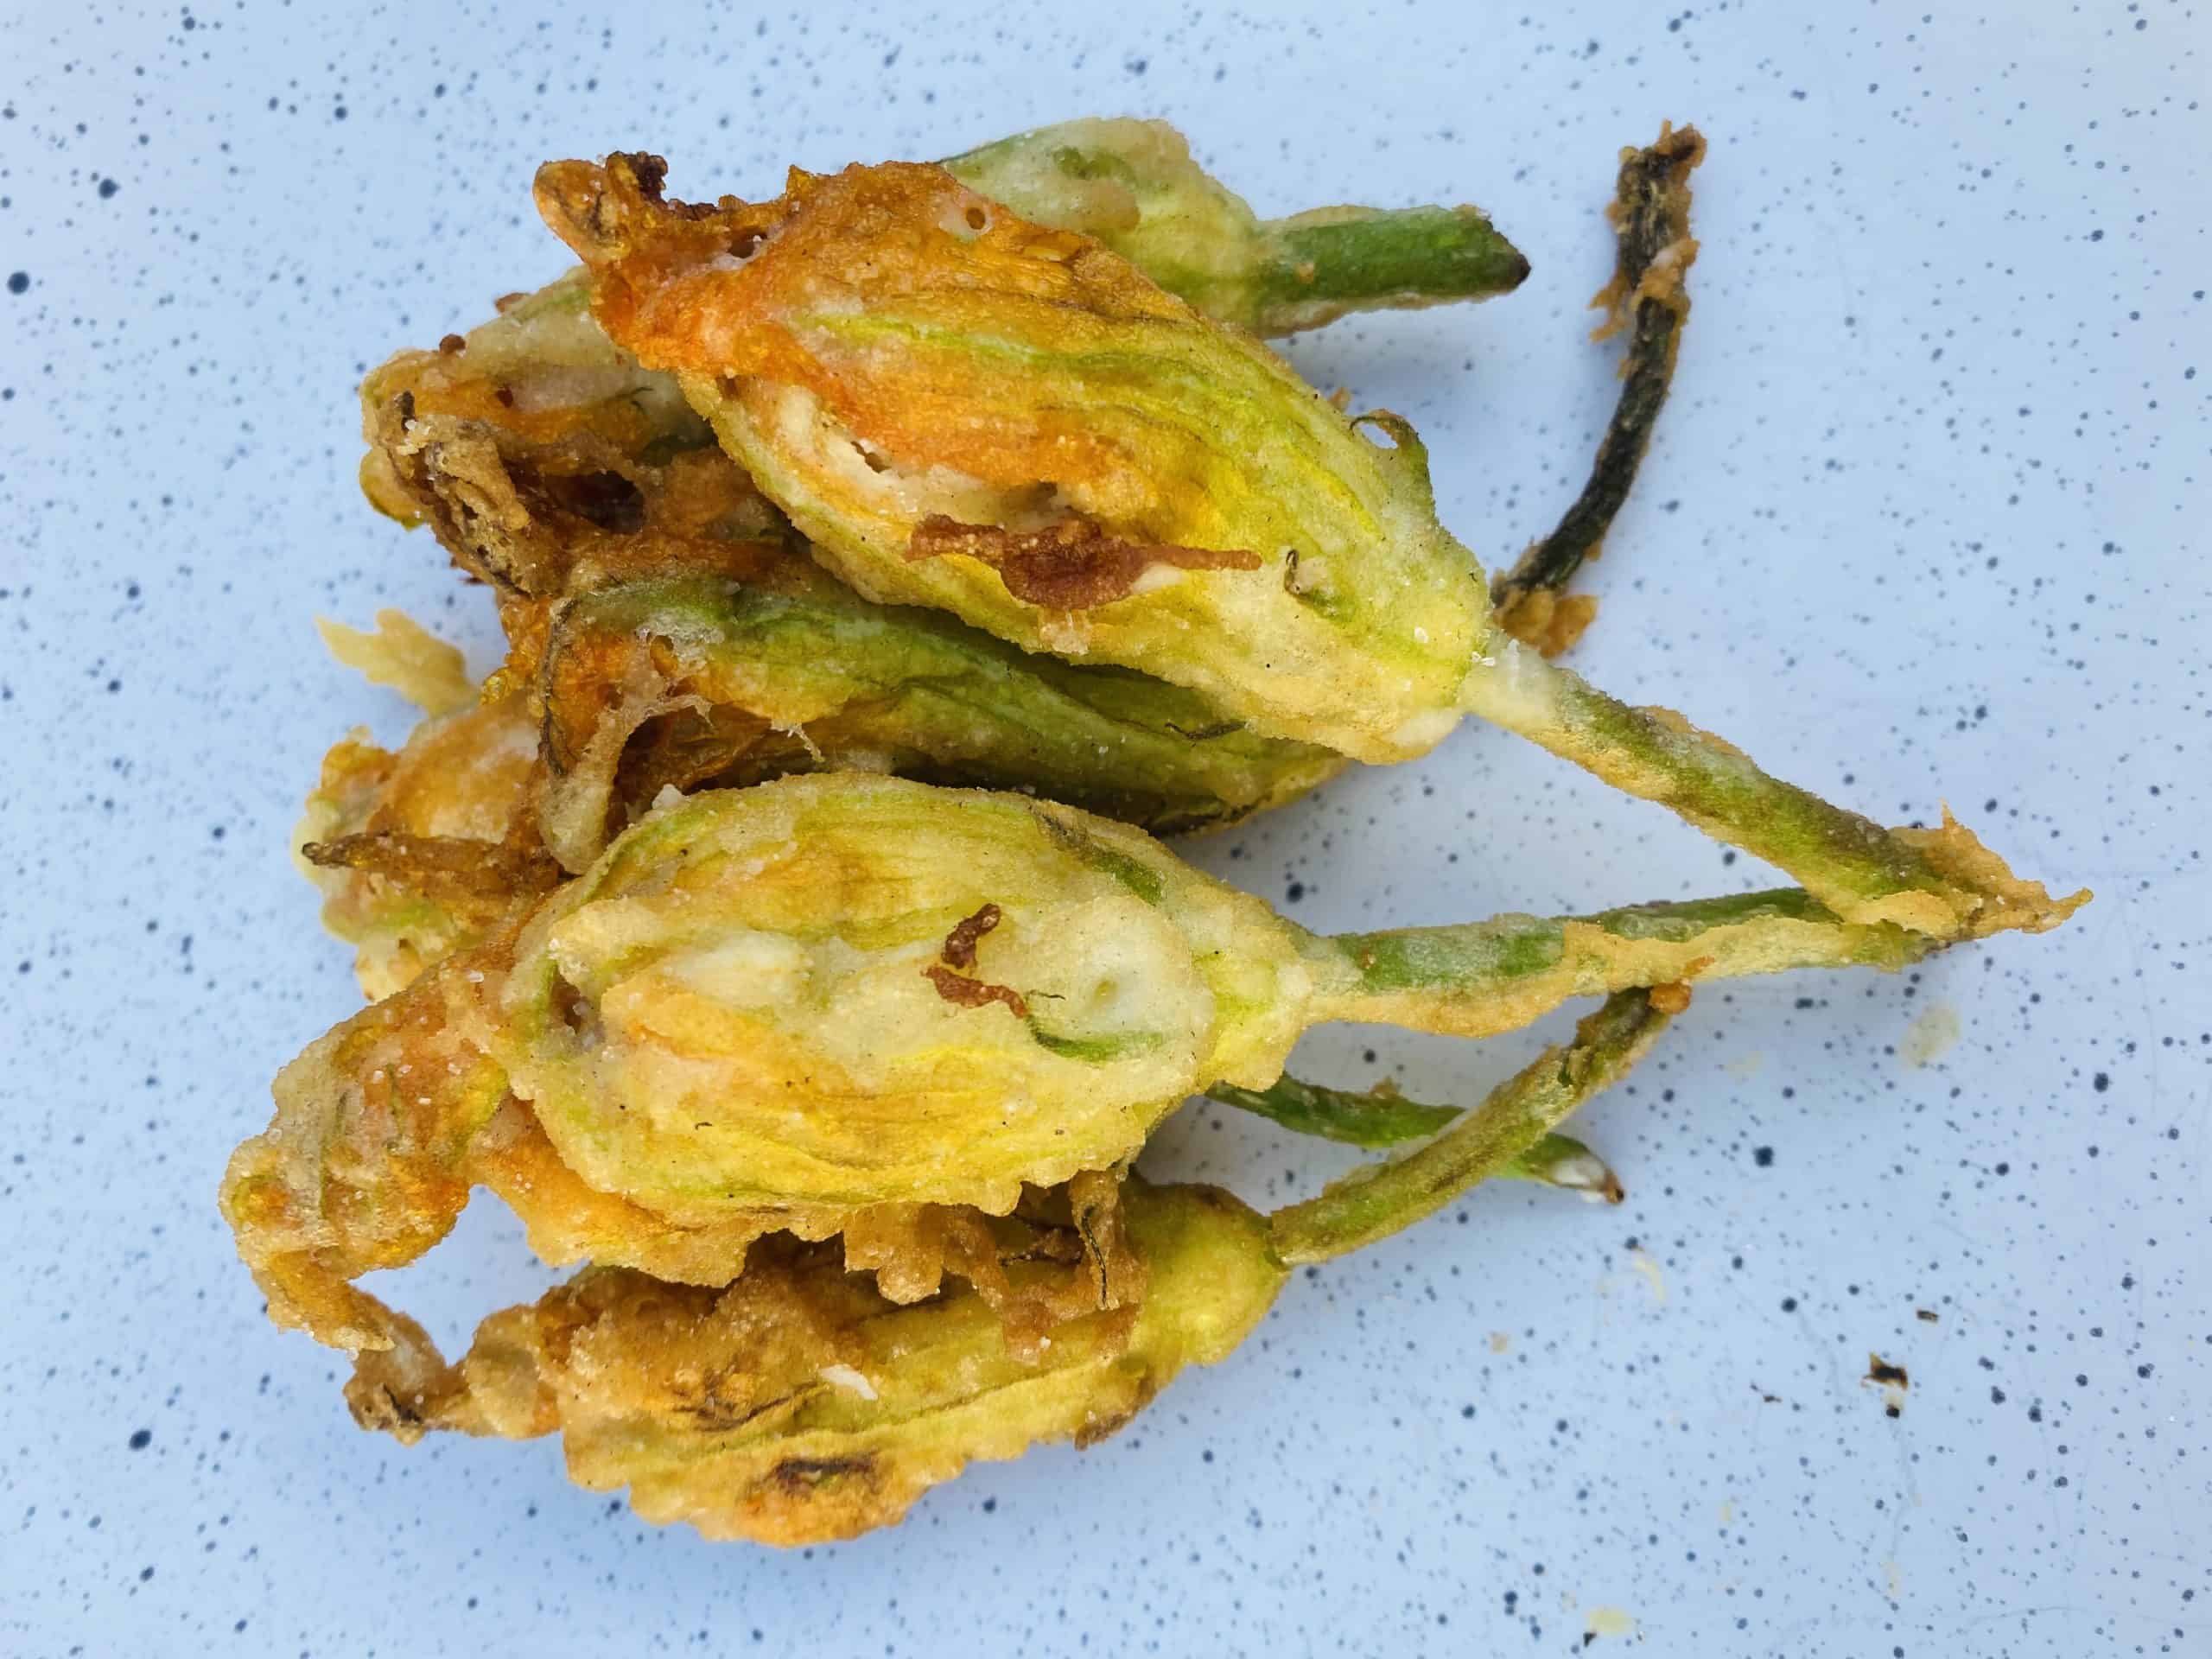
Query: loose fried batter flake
(404,655)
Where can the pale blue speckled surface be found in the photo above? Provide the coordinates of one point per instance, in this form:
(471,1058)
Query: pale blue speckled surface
(1925,521)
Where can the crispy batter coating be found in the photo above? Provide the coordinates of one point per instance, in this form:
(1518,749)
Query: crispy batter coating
(546,462)
(418,852)
(798,1405)
(382,1127)
(1547,621)
(364,1165)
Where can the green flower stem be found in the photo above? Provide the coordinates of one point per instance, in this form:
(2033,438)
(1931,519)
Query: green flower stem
(1358,1120)
(1317,266)
(1375,1120)
(1850,862)
(1380,1200)
(1484,977)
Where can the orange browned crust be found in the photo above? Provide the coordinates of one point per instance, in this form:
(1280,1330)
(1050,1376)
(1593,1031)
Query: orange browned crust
(733,288)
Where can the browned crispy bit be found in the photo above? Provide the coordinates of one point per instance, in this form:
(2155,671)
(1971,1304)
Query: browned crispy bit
(1650,214)
(1117,1272)
(1070,566)
(1550,622)
(959,949)
(911,1248)
(959,952)
(1891,1380)
(800,1476)
(610,210)
(442,866)
(974,993)
(528,503)
(1670,999)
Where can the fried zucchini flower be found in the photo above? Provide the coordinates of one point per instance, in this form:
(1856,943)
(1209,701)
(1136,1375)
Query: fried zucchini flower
(963,408)
(798,1405)
(918,476)
(839,1002)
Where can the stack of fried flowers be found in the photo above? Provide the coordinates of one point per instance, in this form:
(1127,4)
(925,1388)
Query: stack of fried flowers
(782,930)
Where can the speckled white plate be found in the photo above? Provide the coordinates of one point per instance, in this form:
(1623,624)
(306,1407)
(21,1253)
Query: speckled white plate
(1924,522)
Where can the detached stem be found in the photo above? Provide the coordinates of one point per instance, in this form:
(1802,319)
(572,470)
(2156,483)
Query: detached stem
(1387,1197)
(1651,218)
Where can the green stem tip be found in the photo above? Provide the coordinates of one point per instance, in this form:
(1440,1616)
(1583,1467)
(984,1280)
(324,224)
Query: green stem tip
(1318,265)
(1382,1198)
(1381,1117)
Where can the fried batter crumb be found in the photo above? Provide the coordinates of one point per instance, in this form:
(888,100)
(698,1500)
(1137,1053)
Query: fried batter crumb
(1547,621)
(959,952)
(959,949)
(958,988)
